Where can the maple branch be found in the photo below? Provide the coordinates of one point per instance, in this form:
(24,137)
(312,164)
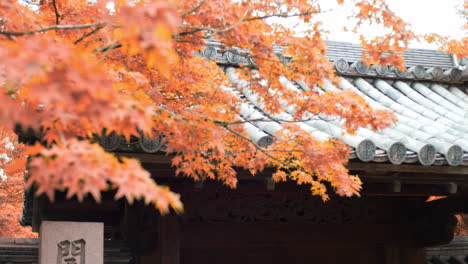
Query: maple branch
(193,8)
(267,120)
(109,47)
(223,30)
(189,32)
(308,13)
(54,27)
(243,19)
(57,15)
(256,146)
(88,34)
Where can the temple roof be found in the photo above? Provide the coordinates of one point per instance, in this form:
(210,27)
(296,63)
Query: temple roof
(432,126)
(429,99)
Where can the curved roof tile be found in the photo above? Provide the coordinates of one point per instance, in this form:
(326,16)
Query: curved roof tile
(432,126)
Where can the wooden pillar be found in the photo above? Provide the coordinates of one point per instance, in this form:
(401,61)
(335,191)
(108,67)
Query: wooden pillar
(168,245)
(413,255)
(169,239)
(391,253)
(39,203)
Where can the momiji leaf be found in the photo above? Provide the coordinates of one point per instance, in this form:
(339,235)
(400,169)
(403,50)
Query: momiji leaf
(34,149)
(82,168)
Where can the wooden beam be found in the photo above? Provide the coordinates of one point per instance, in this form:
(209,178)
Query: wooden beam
(355,166)
(378,167)
(146,157)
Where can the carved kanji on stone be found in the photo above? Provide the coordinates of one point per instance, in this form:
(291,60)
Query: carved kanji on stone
(71,252)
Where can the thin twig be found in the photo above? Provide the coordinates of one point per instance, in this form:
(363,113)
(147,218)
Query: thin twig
(243,19)
(193,8)
(266,120)
(223,30)
(54,27)
(189,32)
(256,146)
(108,47)
(57,15)
(88,34)
(281,15)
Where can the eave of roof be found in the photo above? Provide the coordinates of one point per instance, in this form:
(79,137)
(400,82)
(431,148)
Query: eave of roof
(421,64)
(432,111)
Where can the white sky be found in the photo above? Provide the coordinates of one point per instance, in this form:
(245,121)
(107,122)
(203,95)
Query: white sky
(425,16)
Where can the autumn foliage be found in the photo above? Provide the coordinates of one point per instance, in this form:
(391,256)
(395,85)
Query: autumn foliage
(73,70)
(12,163)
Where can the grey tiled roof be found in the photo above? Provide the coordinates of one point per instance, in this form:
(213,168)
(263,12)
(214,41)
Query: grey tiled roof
(432,126)
(456,252)
(420,64)
(432,112)
(413,57)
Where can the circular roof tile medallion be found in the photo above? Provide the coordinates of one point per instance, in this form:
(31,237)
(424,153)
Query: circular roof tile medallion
(427,155)
(455,74)
(265,141)
(210,53)
(454,155)
(341,66)
(232,56)
(381,70)
(419,72)
(365,150)
(361,67)
(437,73)
(149,145)
(251,61)
(399,72)
(397,153)
(110,142)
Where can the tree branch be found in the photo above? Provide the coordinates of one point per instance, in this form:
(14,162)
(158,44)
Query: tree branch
(193,8)
(256,146)
(54,27)
(195,29)
(189,32)
(109,47)
(88,34)
(276,120)
(57,15)
(281,15)
(223,30)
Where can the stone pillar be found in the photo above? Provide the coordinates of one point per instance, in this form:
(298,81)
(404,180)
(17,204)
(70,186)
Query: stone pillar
(71,242)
